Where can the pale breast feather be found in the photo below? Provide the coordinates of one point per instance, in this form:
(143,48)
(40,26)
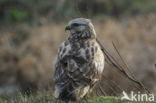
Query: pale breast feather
(96,58)
(64,49)
(99,59)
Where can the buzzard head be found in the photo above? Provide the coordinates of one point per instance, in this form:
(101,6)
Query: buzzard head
(81,28)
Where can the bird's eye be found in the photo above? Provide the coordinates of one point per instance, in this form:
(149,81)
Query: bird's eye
(75,24)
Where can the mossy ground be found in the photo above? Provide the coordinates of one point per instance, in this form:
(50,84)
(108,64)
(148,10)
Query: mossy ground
(42,98)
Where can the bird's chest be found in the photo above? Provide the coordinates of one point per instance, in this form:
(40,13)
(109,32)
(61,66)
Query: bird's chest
(83,54)
(78,49)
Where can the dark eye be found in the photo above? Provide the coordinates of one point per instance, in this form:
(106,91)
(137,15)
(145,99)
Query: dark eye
(75,24)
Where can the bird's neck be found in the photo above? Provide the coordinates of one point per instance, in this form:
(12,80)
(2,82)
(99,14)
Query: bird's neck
(81,36)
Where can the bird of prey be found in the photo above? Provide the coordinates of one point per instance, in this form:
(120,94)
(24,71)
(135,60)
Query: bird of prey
(79,63)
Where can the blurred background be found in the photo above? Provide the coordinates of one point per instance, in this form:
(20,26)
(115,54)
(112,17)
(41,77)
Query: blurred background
(32,30)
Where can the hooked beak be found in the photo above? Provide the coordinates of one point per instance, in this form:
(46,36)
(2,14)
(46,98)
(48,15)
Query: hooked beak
(67,28)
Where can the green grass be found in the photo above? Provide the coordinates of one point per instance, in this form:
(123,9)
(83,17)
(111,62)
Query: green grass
(49,99)
(42,98)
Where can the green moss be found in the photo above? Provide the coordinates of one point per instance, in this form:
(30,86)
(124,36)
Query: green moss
(19,15)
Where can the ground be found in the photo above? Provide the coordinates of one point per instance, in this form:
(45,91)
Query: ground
(48,98)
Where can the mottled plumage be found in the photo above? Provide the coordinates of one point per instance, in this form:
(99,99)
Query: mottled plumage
(79,63)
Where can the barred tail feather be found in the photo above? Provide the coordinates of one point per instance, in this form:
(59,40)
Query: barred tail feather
(66,96)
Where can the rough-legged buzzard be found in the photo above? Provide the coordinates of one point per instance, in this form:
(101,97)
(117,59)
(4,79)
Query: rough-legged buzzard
(79,63)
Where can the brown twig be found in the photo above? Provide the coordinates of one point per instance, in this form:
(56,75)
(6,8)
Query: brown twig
(110,59)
